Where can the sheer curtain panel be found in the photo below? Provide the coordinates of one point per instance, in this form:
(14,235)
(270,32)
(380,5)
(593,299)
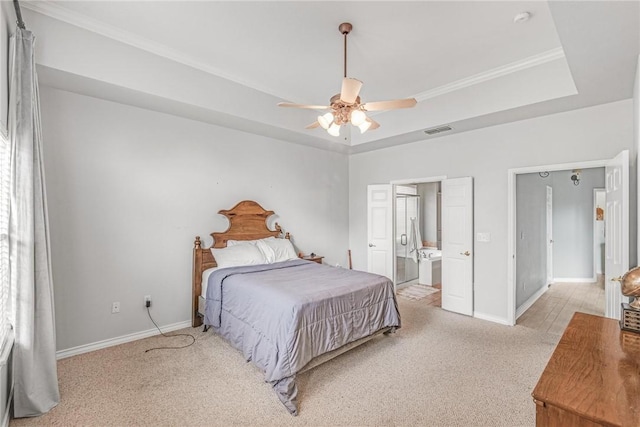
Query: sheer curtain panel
(34,369)
(5,284)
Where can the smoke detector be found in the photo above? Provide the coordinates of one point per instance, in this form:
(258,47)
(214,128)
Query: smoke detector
(521,17)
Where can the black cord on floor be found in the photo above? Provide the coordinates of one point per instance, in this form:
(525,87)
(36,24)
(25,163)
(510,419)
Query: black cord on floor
(168,336)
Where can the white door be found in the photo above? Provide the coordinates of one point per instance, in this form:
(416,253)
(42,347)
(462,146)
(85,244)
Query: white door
(457,245)
(549,235)
(379,229)
(616,231)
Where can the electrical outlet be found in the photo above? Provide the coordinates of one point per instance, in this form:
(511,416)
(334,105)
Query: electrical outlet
(115,307)
(147,300)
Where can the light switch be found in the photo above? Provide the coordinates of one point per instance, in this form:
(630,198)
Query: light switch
(483,237)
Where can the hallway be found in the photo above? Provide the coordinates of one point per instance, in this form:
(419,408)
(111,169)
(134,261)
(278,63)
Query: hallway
(553,310)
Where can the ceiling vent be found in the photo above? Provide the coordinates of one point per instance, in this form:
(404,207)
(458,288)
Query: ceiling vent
(433,131)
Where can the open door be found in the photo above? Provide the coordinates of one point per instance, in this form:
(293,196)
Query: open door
(457,245)
(616,231)
(380,229)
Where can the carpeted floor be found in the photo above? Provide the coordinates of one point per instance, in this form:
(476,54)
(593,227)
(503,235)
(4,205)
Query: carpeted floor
(439,369)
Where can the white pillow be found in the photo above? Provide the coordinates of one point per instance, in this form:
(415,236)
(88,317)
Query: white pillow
(277,250)
(252,242)
(240,254)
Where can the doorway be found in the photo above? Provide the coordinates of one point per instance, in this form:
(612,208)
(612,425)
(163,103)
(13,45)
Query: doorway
(456,237)
(555,232)
(617,244)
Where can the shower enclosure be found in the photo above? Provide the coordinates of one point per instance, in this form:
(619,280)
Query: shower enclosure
(407,209)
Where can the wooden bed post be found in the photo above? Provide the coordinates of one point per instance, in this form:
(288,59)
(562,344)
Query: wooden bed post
(197,282)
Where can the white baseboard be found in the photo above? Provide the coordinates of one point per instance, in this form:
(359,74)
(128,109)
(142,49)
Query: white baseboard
(61,354)
(491,318)
(575,280)
(532,299)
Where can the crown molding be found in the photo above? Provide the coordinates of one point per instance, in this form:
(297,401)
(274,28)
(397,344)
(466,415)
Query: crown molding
(90,24)
(514,67)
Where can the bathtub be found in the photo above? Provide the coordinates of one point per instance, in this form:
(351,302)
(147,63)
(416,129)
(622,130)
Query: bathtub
(430,253)
(429,268)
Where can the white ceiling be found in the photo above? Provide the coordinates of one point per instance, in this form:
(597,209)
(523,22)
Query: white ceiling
(468,64)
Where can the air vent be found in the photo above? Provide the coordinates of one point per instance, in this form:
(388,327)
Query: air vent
(433,131)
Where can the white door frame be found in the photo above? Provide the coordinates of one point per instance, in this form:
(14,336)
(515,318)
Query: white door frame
(407,181)
(511,221)
(418,180)
(596,248)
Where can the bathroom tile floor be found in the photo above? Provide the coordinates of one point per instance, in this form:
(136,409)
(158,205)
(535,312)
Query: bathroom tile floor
(434,300)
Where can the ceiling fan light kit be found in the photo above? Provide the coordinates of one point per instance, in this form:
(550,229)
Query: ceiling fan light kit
(364,126)
(346,107)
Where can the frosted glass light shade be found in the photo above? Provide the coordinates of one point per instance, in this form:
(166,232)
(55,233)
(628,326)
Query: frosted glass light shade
(334,130)
(325,120)
(364,126)
(358,117)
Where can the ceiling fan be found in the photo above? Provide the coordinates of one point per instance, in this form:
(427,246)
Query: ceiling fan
(346,107)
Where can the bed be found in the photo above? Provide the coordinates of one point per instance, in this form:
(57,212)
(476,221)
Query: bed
(285,314)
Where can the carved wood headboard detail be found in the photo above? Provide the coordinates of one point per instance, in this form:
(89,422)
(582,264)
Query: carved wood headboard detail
(247,221)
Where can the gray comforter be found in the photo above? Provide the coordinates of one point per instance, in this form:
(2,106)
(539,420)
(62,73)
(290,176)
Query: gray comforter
(283,315)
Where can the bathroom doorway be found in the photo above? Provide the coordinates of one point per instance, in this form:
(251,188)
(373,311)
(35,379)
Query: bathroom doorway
(417,234)
(456,238)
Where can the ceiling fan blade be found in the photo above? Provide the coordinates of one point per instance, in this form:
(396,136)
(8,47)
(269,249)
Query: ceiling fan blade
(313,125)
(390,105)
(374,125)
(350,90)
(312,107)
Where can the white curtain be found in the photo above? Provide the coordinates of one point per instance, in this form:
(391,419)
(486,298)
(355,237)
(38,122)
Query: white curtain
(34,370)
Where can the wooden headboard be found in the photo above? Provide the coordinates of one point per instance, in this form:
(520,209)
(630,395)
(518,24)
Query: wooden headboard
(247,221)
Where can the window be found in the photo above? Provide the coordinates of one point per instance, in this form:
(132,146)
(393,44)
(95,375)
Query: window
(5,283)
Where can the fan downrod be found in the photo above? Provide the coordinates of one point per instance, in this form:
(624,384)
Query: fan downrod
(345,28)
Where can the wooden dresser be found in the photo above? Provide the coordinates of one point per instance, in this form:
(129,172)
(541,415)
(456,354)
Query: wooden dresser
(592,378)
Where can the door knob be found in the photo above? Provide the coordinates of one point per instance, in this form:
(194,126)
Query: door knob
(371,245)
(465,253)
(616,279)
